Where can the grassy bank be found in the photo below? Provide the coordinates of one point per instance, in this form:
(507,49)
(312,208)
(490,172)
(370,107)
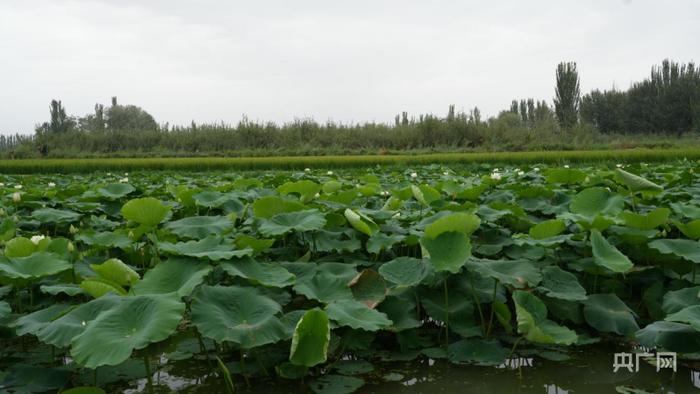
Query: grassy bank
(26,166)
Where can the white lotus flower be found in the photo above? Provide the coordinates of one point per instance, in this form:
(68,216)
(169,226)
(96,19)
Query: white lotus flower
(307,169)
(126,174)
(396,215)
(124,180)
(566,166)
(414,175)
(521,172)
(2,184)
(16,197)
(445,173)
(496,176)
(109,174)
(317,195)
(51,184)
(37,238)
(619,165)
(537,169)
(18,187)
(329,173)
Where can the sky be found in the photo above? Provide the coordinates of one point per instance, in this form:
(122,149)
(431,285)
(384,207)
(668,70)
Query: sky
(344,61)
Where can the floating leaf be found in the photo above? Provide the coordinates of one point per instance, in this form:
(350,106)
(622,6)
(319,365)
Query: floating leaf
(477,351)
(211,247)
(448,251)
(61,331)
(241,315)
(533,323)
(336,384)
(606,255)
(405,271)
(361,222)
(357,315)
(131,325)
(308,220)
(607,313)
(557,283)
(174,275)
(116,271)
(311,338)
(368,287)
(198,227)
(674,337)
(266,274)
(635,182)
(147,211)
(683,248)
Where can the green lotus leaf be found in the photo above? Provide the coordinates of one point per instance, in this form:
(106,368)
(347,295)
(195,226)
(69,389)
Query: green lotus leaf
(448,251)
(115,191)
(336,384)
(689,315)
(243,241)
(308,220)
(68,289)
(23,378)
(305,189)
(174,275)
(311,337)
(690,229)
(425,194)
(198,227)
(595,201)
(648,221)
(357,315)
(228,202)
(241,315)
(635,182)
(459,310)
(687,211)
(671,336)
(531,315)
(7,229)
(269,206)
(361,222)
(557,283)
(401,310)
(61,331)
(211,247)
(33,267)
(33,322)
(676,300)
(607,313)
(565,175)
(331,186)
(84,390)
(19,247)
(477,351)
(266,274)
(116,271)
(5,309)
(462,222)
(606,255)
(380,241)
(131,325)
(326,284)
(106,239)
(368,287)
(683,248)
(516,273)
(147,211)
(98,287)
(52,215)
(405,271)
(547,229)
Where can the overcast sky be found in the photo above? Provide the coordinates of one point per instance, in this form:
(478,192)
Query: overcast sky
(347,61)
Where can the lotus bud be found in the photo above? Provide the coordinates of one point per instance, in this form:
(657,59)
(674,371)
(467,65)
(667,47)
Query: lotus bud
(16,197)
(131,234)
(72,229)
(2,212)
(71,247)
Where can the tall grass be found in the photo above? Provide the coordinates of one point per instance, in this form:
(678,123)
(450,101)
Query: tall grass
(28,166)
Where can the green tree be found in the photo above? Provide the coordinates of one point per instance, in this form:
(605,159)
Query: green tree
(568,95)
(128,117)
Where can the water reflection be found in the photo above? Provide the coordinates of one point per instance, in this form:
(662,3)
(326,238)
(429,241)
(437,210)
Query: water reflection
(695,378)
(516,363)
(554,389)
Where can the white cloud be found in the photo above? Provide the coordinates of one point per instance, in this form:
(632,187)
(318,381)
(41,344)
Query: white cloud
(348,61)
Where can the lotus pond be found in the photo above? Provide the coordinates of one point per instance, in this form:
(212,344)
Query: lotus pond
(374,280)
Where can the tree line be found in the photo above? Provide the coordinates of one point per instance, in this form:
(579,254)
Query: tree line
(667,102)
